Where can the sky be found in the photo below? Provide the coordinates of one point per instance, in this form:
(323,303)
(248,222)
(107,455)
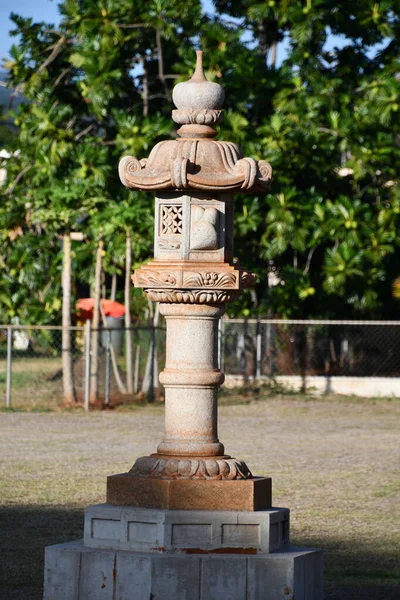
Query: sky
(40,10)
(46,10)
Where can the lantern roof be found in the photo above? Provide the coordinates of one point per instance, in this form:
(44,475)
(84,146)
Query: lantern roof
(195,160)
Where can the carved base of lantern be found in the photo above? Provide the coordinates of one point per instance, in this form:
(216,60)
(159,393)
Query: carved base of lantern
(158,466)
(190,494)
(205,276)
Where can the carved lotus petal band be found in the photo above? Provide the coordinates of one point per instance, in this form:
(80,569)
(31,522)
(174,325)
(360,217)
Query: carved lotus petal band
(165,467)
(201,116)
(174,296)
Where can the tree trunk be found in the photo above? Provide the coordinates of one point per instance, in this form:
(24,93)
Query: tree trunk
(160,57)
(145,89)
(67,364)
(262,48)
(128,321)
(94,377)
(273,50)
(103,288)
(113,292)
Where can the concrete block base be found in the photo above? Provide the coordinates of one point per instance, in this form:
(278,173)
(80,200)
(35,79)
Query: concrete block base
(75,572)
(187,531)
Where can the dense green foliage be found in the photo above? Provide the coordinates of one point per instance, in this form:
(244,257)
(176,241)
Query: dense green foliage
(99,86)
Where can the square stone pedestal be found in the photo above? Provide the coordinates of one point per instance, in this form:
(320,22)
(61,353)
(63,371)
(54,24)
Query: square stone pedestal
(190,494)
(131,553)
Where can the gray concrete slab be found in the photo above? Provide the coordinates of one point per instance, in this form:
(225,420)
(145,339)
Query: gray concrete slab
(97,575)
(75,572)
(150,530)
(133,576)
(61,571)
(224,577)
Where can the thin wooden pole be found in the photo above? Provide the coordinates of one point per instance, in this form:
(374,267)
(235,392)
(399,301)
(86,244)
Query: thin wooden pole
(136,379)
(108,365)
(87,365)
(150,393)
(67,362)
(258,350)
(128,321)
(94,384)
(9,366)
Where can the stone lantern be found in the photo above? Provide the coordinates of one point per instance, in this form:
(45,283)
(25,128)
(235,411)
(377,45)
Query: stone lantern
(189,521)
(192,276)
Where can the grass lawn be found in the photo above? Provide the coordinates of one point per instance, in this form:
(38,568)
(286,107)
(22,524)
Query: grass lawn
(334,462)
(32,384)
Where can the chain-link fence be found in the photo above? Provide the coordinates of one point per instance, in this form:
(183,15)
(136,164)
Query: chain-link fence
(128,362)
(270,348)
(34,362)
(352,357)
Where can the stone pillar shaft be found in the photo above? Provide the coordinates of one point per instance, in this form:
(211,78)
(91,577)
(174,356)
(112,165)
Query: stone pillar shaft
(191,378)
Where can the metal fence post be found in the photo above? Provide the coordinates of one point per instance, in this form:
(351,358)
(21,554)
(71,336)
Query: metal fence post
(258,350)
(151,394)
(9,366)
(136,376)
(87,365)
(221,350)
(108,361)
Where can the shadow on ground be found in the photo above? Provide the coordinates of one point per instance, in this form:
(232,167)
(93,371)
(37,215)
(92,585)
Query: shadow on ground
(352,572)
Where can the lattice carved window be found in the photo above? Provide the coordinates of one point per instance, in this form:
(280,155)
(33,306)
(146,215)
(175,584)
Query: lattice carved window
(171,219)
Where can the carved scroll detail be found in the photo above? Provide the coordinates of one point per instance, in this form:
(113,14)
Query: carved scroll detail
(156,278)
(247,167)
(130,166)
(168,245)
(265,173)
(212,280)
(154,467)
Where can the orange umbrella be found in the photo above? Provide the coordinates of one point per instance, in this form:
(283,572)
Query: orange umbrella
(85,307)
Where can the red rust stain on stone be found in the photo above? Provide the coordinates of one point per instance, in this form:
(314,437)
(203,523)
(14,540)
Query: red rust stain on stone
(220,551)
(287,591)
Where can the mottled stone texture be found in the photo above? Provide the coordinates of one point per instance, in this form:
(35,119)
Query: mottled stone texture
(193,227)
(215,532)
(189,494)
(94,574)
(190,378)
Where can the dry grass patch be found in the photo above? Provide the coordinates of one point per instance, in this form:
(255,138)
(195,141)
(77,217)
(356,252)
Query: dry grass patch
(334,463)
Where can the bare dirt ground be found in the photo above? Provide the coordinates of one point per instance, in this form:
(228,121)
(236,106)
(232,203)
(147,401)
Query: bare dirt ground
(334,463)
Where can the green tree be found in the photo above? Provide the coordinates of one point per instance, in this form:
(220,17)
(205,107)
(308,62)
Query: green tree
(100,85)
(86,107)
(328,122)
